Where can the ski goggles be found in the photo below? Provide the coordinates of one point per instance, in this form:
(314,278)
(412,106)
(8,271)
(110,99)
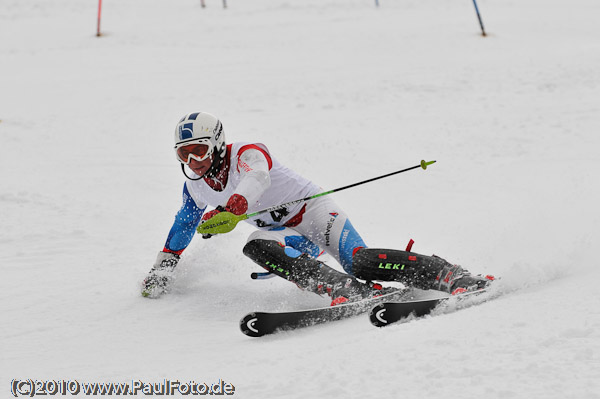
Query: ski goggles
(199,150)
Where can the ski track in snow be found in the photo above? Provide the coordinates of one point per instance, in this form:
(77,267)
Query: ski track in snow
(340,91)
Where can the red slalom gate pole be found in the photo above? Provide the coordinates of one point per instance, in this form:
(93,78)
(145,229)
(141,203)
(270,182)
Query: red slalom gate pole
(99,16)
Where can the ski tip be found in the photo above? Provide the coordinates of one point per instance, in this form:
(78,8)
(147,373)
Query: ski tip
(377,315)
(425,164)
(248,325)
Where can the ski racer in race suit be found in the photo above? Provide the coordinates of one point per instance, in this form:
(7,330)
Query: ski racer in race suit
(244,178)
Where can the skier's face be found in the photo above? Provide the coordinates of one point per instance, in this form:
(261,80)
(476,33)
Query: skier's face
(200,167)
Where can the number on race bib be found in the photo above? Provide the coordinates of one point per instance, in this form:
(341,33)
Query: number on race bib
(279,214)
(276,215)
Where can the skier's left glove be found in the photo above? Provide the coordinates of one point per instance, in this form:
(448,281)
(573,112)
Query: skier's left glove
(237,204)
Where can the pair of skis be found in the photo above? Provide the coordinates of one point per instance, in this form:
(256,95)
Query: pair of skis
(383,310)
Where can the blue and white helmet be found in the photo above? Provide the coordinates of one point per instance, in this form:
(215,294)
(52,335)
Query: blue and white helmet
(203,128)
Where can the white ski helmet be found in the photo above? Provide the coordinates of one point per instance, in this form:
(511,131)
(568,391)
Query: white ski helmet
(202,128)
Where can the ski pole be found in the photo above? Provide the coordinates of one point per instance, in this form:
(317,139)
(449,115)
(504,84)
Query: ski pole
(224,222)
(479,18)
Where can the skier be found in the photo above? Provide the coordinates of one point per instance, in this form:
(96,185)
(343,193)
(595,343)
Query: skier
(244,178)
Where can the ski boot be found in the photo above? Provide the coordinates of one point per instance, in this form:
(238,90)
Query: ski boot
(469,282)
(358,292)
(310,274)
(160,276)
(455,280)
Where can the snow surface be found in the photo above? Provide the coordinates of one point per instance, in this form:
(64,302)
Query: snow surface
(340,91)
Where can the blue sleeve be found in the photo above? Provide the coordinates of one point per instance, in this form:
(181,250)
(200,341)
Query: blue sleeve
(184,227)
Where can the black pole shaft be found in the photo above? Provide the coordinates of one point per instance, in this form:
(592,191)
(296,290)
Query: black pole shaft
(373,179)
(422,165)
(479,18)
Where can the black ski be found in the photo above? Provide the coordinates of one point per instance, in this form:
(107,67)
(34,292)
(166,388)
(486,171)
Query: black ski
(257,324)
(386,313)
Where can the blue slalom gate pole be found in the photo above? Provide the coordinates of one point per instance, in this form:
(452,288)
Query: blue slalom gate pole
(479,18)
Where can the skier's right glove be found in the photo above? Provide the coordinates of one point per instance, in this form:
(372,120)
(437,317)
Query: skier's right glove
(160,275)
(165,261)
